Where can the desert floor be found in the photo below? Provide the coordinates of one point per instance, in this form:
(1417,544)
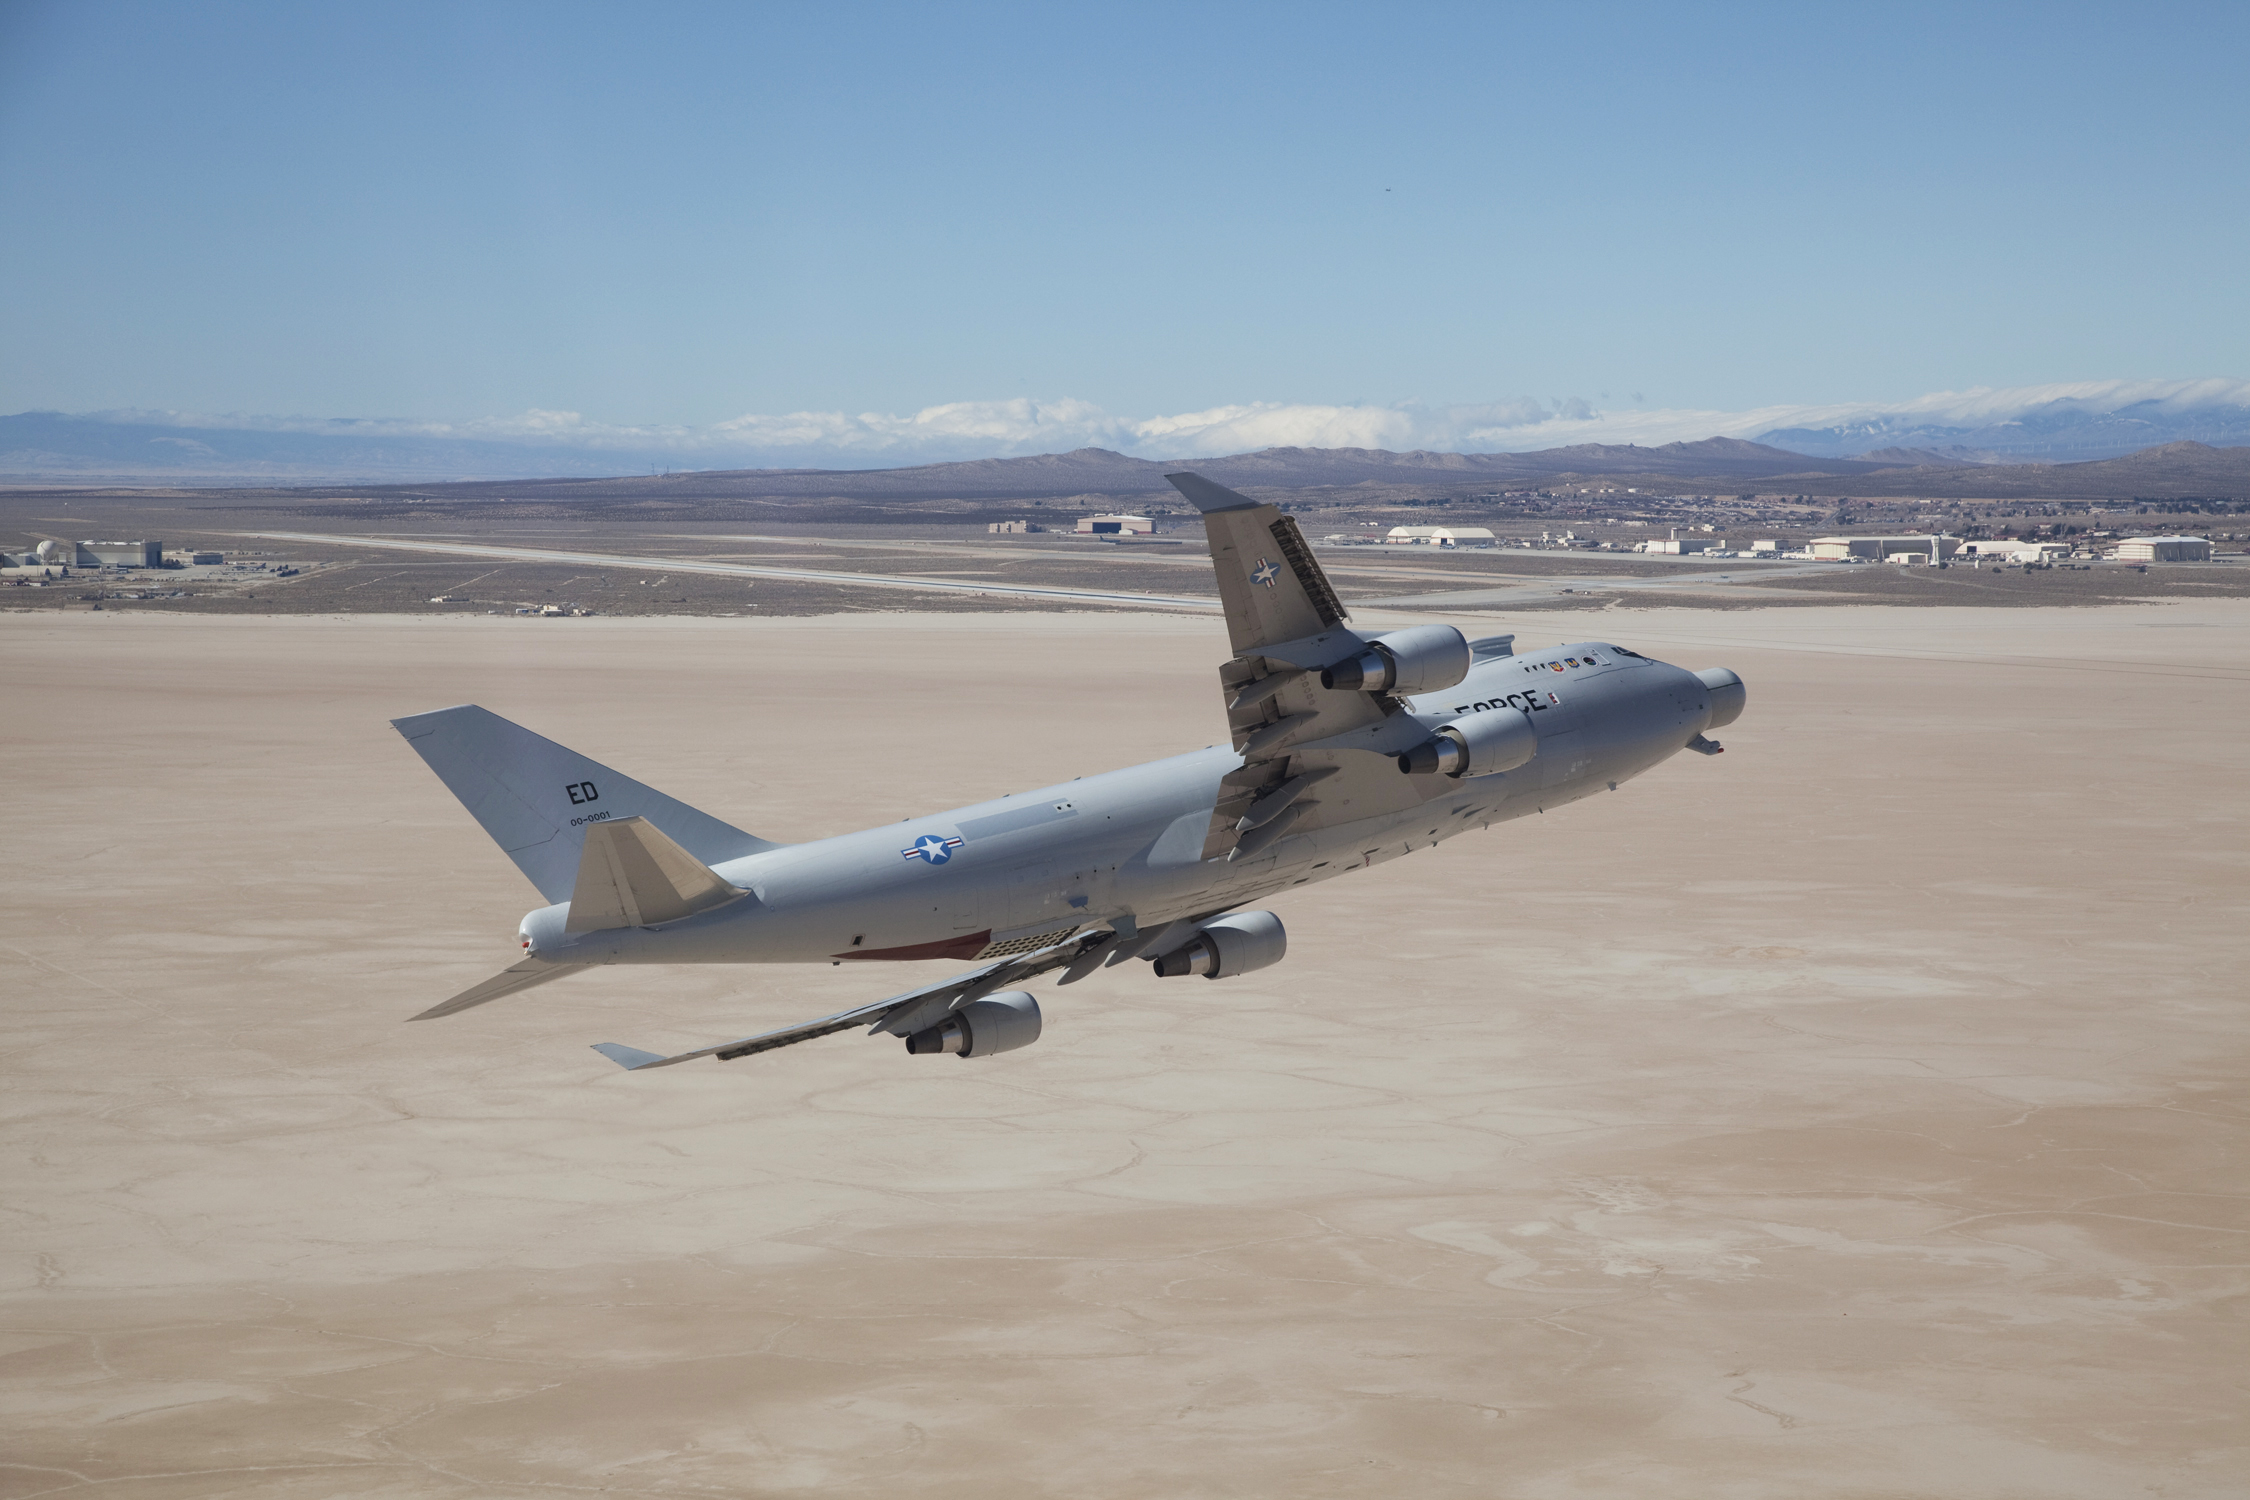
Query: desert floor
(1859,1113)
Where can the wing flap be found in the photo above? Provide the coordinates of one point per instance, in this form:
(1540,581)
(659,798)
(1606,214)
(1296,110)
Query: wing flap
(898,1014)
(633,1059)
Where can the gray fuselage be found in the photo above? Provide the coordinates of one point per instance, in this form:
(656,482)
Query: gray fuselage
(1024,869)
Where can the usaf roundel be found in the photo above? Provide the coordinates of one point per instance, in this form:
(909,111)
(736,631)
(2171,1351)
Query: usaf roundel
(1265,573)
(931,848)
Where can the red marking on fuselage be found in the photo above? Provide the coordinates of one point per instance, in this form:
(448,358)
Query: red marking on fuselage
(967,945)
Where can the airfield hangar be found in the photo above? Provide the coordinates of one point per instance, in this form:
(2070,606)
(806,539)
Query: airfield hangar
(119,555)
(1440,536)
(2164,549)
(1876,548)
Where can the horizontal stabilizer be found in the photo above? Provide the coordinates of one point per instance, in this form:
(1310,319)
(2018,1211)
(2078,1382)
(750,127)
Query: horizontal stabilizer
(627,1057)
(631,875)
(521,977)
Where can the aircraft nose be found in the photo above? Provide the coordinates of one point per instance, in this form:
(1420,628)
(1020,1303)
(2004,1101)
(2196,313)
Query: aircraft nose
(1728,695)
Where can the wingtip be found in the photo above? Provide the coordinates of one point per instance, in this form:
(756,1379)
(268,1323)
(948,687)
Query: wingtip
(419,721)
(627,1057)
(1206,496)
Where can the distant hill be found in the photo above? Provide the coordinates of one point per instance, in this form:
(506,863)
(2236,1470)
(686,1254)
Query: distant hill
(1926,458)
(1712,458)
(54,447)
(2184,470)
(2059,423)
(1724,462)
(1714,465)
(2065,430)
(48,448)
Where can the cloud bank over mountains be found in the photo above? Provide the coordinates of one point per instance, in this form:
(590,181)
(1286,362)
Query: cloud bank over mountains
(2087,420)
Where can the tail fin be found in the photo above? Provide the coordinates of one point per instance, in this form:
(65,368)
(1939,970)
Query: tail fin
(537,799)
(1269,582)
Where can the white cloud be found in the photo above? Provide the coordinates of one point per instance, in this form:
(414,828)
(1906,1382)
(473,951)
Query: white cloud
(975,428)
(986,429)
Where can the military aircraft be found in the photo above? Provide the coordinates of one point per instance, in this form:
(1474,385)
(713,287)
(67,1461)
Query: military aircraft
(1348,750)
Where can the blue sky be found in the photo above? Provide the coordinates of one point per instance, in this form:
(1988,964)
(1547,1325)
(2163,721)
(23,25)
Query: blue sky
(685,214)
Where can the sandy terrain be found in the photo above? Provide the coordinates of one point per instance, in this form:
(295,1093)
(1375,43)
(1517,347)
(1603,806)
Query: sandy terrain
(1860,1113)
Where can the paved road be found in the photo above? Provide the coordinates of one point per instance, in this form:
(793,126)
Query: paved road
(1552,588)
(1395,563)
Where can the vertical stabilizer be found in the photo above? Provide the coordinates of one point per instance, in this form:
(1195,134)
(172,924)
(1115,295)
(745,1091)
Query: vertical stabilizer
(537,799)
(1269,583)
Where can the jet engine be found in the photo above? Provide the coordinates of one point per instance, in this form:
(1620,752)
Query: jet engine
(1728,695)
(1418,660)
(993,1023)
(1493,739)
(1232,944)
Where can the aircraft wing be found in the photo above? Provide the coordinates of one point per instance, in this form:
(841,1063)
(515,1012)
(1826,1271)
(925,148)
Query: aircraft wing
(1285,623)
(899,1015)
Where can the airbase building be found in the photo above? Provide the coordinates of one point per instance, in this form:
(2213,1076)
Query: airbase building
(52,554)
(2164,549)
(1876,548)
(1439,536)
(119,555)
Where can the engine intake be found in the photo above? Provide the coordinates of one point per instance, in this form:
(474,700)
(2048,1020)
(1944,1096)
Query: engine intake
(1418,660)
(1728,695)
(1478,744)
(1232,944)
(991,1024)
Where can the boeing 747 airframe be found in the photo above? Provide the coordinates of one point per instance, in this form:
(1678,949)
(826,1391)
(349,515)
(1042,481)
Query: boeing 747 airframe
(1348,750)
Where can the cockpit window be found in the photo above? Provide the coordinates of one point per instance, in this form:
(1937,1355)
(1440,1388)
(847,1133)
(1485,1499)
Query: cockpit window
(1621,651)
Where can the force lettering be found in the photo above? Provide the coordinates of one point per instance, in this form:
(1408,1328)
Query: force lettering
(1527,702)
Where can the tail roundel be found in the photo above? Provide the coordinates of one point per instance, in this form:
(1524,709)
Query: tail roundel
(537,798)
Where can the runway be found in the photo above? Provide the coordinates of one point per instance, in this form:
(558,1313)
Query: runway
(1484,595)
(1502,596)
(754,570)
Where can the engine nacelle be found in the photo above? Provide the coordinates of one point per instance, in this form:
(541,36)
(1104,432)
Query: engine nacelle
(1233,944)
(1478,744)
(1728,695)
(991,1024)
(1419,660)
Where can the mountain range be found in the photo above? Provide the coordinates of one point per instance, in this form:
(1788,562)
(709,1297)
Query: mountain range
(41,449)
(1721,465)
(2054,431)
(1501,443)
